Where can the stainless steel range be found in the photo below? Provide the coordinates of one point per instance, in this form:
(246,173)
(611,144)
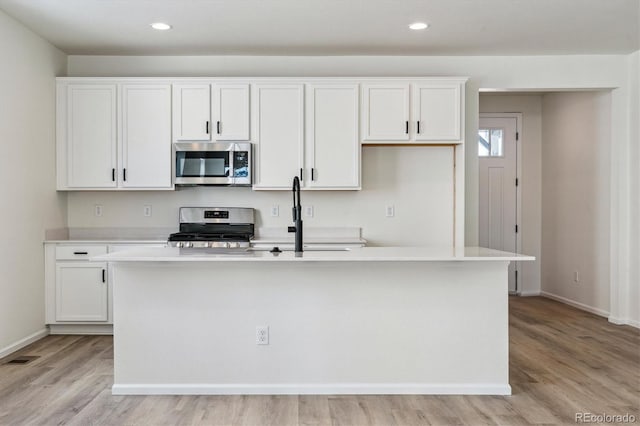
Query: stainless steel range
(214,227)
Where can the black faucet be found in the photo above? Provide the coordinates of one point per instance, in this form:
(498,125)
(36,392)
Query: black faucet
(297,214)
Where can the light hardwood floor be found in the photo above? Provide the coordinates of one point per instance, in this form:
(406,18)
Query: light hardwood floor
(563,361)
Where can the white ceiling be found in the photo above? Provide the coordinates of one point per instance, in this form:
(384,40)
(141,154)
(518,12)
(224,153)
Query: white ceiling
(334,27)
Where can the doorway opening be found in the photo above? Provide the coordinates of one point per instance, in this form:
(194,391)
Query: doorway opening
(563,191)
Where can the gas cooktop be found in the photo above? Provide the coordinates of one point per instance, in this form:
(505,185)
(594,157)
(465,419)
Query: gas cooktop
(214,227)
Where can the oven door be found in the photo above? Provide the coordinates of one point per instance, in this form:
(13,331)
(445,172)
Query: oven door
(212,163)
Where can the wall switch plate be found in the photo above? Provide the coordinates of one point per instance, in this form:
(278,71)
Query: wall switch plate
(308,211)
(576,276)
(275,211)
(390,211)
(262,335)
(98,210)
(147,211)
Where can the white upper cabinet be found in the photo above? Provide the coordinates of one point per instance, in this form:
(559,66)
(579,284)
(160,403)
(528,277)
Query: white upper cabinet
(113,136)
(117,134)
(279,134)
(146,136)
(231,112)
(332,146)
(385,112)
(192,112)
(89,137)
(437,112)
(425,111)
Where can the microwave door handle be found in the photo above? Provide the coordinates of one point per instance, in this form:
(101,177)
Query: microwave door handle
(231,178)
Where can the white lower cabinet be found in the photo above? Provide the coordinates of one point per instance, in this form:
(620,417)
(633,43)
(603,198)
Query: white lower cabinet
(81,291)
(78,291)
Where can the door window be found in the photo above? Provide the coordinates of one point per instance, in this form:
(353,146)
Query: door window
(490,143)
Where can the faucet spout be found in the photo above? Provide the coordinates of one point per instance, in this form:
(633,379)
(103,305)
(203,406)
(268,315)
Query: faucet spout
(297,214)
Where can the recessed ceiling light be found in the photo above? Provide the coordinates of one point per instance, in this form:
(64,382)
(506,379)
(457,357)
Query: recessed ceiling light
(160,26)
(419,26)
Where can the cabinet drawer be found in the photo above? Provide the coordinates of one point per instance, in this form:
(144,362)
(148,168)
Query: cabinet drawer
(80,252)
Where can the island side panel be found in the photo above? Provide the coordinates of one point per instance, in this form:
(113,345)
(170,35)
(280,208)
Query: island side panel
(335,327)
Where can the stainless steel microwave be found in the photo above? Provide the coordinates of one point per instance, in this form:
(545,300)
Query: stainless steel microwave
(212,163)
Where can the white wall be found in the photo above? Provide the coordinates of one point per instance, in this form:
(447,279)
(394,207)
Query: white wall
(633,301)
(545,73)
(530,105)
(576,197)
(418,181)
(27,170)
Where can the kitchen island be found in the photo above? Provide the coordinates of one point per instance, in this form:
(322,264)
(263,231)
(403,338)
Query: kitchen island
(373,320)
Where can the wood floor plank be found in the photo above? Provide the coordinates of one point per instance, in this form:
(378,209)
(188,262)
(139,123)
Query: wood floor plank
(313,410)
(562,361)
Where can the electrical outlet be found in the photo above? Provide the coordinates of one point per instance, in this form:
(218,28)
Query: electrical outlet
(98,210)
(308,211)
(147,211)
(576,276)
(275,211)
(262,335)
(390,211)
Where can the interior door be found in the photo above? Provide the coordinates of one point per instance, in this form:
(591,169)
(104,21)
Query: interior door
(497,157)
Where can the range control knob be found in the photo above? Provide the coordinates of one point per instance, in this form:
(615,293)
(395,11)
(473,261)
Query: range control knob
(188,244)
(179,244)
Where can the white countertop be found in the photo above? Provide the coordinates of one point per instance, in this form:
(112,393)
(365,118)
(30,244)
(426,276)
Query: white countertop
(364,254)
(308,240)
(108,241)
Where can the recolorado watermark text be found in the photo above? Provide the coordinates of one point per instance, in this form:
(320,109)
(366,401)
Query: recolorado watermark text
(604,418)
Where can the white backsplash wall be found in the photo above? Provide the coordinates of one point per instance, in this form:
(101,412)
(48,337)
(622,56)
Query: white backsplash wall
(417,181)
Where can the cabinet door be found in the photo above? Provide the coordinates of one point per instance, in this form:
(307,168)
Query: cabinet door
(332,147)
(146,136)
(91,136)
(386,112)
(279,135)
(231,112)
(437,112)
(81,291)
(192,112)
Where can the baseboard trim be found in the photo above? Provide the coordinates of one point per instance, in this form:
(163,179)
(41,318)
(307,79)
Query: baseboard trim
(623,321)
(529,293)
(97,329)
(312,389)
(8,350)
(581,306)
(633,323)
